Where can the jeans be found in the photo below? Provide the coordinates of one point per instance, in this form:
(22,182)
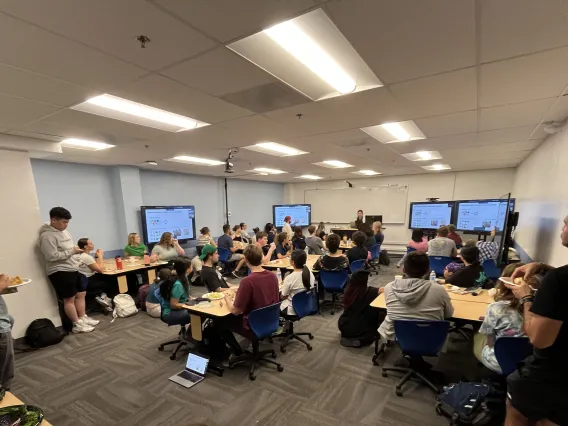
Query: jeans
(177,317)
(6,360)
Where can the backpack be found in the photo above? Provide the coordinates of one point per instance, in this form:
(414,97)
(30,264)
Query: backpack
(42,333)
(142,295)
(465,403)
(384,258)
(124,306)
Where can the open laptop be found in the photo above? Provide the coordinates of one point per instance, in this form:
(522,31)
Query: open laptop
(194,372)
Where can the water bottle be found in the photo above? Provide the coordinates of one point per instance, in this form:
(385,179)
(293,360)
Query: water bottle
(433,276)
(279,276)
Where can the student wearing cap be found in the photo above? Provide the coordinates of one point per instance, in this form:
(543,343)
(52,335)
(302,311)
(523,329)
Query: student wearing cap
(287,227)
(210,276)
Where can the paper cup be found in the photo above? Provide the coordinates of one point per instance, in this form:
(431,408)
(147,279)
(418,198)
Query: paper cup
(398,277)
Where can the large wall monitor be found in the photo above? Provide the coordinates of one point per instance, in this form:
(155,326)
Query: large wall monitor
(301,214)
(179,220)
(430,215)
(482,215)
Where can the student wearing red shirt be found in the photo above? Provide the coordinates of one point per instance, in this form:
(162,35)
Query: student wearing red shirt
(453,236)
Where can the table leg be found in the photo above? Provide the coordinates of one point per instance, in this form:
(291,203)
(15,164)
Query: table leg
(196,327)
(151,276)
(122,284)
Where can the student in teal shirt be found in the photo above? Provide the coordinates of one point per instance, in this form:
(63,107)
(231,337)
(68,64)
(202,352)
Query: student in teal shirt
(175,292)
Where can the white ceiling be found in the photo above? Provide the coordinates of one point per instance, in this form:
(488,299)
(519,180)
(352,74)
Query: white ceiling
(477,77)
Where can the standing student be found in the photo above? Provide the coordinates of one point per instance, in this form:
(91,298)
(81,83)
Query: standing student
(378,232)
(453,236)
(417,241)
(262,243)
(358,251)
(168,248)
(286,227)
(153,307)
(301,279)
(226,242)
(210,276)
(62,263)
(472,274)
(205,237)
(442,245)
(6,341)
(360,219)
(175,292)
(298,240)
(134,246)
(314,243)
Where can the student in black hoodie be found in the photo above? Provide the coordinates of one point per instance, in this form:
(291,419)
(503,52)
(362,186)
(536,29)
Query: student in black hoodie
(359,251)
(472,275)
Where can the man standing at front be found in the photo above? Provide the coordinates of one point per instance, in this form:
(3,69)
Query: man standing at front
(62,263)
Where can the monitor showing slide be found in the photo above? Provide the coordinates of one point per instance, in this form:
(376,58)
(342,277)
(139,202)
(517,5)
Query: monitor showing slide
(179,220)
(482,215)
(301,214)
(430,215)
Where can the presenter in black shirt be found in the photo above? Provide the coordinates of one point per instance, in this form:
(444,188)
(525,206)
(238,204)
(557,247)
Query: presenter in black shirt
(538,391)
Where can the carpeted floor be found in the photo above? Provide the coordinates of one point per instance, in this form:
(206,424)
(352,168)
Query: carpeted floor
(116,376)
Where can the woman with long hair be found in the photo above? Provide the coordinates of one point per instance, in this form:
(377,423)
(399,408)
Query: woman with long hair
(205,237)
(298,239)
(301,279)
(270,232)
(320,229)
(134,246)
(175,292)
(168,248)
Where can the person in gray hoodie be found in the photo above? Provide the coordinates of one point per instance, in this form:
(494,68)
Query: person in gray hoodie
(414,297)
(62,264)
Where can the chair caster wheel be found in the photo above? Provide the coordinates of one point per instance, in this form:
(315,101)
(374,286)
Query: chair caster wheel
(332,313)
(311,336)
(252,377)
(280,368)
(384,373)
(172,357)
(283,350)
(273,354)
(309,347)
(161,348)
(375,363)
(398,392)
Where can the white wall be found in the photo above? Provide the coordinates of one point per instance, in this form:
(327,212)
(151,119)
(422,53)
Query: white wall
(252,201)
(446,186)
(542,200)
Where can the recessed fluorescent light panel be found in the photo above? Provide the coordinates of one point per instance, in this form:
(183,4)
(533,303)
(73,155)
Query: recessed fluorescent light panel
(423,156)
(437,167)
(366,173)
(333,164)
(196,161)
(136,113)
(402,131)
(273,148)
(309,54)
(266,171)
(85,144)
(309,177)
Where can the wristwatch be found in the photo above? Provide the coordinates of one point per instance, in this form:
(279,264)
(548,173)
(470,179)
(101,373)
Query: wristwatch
(526,299)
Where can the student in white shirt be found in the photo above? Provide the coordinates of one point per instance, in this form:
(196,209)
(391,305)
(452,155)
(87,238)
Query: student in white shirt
(88,266)
(287,227)
(301,279)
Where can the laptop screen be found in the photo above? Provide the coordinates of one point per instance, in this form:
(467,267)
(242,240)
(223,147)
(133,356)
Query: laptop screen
(196,363)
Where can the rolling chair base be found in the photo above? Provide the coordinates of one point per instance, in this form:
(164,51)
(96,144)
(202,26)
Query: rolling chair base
(290,335)
(181,341)
(331,302)
(255,358)
(408,374)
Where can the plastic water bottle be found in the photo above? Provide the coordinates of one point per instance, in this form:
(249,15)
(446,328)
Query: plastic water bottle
(279,275)
(433,276)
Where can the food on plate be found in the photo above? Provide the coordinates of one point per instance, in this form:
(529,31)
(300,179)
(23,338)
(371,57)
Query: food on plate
(16,280)
(518,280)
(213,296)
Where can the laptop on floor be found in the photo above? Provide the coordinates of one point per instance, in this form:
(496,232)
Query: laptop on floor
(194,372)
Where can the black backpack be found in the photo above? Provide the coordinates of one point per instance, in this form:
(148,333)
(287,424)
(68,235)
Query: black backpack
(467,403)
(42,333)
(384,258)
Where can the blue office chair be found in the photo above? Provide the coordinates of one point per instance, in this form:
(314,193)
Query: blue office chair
(439,263)
(181,340)
(224,255)
(509,351)
(334,282)
(492,271)
(263,323)
(304,303)
(357,264)
(374,262)
(418,338)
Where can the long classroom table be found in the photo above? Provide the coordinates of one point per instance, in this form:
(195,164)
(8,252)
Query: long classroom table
(285,263)
(109,269)
(10,399)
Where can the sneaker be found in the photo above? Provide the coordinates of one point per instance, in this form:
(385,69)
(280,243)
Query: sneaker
(81,327)
(235,274)
(89,321)
(104,302)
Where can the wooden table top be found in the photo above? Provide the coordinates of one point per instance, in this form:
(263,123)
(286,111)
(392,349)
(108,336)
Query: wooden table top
(11,399)
(285,263)
(218,308)
(345,245)
(344,229)
(110,266)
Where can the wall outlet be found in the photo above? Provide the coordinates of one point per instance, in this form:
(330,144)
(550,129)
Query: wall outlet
(229,214)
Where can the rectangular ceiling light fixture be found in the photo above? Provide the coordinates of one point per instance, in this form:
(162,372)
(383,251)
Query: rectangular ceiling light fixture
(85,144)
(437,167)
(277,149)
(267,171)
(310,54)
(333,164)
(309,177)
(133,112)
(423,156)
(196,160)
(366,173)
(402,131)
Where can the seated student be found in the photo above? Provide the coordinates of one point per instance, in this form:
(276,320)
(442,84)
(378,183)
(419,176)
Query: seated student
(134,246)
(378,232)
(298,240)
(153,307)
(417,241)
(359,321)
(453,267)
(442,245)
(175,292)
(210,276)
(314,243)
(413,297)
(205,237)
(504,317)
(168,248)
(488,249)
(242,235)
(262,244)
(365,228)
(453,236)
(226,242)
(320,229)
(237,237)
(196,266)
(88,266)
(334,260)
(472,274)
(359,251)
(300,280)
(270,232)
(283,247)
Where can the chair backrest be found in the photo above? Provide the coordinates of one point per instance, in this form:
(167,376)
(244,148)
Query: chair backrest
(375,251)
(410,249)
(265,321)
(199,249)
(357,264)
(509,351)
(491,270)
(418,337)
(224,254)
(305,303)
(439,263)
(334,280)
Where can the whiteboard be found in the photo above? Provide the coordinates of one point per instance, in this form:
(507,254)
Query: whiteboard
(341,205)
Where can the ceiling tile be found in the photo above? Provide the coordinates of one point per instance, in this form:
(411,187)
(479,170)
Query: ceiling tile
(15,112)
(209,72)
(439,94)
(226,20)
(559,111)
(112,26)
(516,27)
(449,124)
(538,76)
(514,115)
(396,40)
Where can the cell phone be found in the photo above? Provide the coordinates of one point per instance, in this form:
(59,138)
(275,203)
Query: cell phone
(508,281)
